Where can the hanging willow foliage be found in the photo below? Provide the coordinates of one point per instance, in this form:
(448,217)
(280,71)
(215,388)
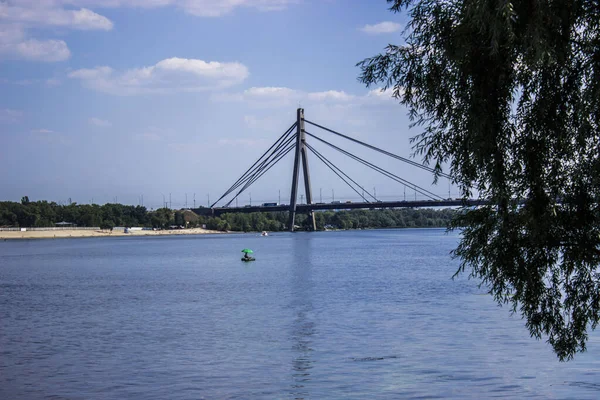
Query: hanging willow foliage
(508,95)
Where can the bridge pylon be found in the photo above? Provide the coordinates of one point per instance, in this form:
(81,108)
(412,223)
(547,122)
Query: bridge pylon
(300,157)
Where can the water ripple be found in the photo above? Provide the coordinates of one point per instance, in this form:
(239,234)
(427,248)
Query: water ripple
(182,319)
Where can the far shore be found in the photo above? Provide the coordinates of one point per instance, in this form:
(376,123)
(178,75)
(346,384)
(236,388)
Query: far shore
(76,233)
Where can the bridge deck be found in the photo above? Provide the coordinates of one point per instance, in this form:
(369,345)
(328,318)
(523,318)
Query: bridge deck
(341,206)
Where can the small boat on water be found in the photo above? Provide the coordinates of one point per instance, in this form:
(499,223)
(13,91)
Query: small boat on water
(247,257)
(264,233)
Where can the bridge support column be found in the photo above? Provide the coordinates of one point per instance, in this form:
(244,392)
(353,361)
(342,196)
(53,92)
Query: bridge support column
(301,157)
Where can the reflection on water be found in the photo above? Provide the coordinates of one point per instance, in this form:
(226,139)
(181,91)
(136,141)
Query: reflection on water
(302,328)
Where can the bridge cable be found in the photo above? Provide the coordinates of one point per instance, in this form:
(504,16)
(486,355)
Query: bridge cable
(390,175)
(330,165)
(406,160)
(252,168)
(264,171)
(255,167)
(346,182)
(257,170)
(382,171)
(260,173)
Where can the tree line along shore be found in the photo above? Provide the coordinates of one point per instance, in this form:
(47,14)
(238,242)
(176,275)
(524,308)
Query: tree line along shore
(28,214)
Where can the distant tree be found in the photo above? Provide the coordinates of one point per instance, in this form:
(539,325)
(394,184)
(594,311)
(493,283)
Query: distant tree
(223,226)
(7,217)
(508,93)
(162,218)
(43,213)
(274,226)
(214,223)
(89,219)
(179,219)
(27,217)
(107,225)
(25,200)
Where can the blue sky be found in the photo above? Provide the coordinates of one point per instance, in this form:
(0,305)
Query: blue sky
(105,99)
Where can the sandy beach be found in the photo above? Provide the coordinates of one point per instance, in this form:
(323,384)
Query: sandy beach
(75,233)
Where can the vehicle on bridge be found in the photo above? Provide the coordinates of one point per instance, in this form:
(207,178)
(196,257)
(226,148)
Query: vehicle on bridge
(269,204)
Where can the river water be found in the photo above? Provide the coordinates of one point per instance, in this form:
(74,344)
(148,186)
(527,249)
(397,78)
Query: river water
(344,315)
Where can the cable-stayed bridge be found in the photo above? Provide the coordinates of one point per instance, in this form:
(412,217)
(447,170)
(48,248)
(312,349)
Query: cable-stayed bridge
(294,139)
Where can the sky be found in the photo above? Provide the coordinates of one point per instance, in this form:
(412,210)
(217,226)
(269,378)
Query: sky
(141,100)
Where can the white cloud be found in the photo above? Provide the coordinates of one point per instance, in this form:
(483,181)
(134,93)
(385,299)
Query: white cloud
(382,27)
(333,95)
(41,50)
(200,8)
(116,3)
(42,131)
(273,92)
(29,9)
(284,93)
(284,97)
(86,20)
(11,33)
(7,115)
(18,17)
(14,44)
(386,94)
(43,14)
(100,122)
(169,75)
(269,109)
(91,74)
(216,8)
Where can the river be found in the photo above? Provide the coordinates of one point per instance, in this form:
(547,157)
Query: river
(342,315)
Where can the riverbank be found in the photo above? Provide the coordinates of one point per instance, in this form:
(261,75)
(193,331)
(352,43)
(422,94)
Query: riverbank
(75,233)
